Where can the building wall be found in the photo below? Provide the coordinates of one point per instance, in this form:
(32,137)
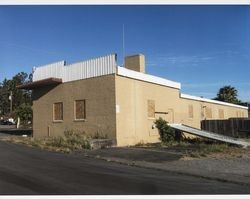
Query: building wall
(201,112)
(132,122)
(99,93)
(117,106)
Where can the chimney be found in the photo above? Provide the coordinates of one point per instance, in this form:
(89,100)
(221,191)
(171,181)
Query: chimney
(135,62)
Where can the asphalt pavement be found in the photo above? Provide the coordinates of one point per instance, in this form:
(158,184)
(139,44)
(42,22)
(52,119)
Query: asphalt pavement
(30,171)
(12,130)
(234,169)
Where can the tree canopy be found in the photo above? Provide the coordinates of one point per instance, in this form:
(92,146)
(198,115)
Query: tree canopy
(19,97)
(228,94)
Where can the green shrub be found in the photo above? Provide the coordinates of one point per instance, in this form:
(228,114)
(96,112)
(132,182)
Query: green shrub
(167,134)
(24,111)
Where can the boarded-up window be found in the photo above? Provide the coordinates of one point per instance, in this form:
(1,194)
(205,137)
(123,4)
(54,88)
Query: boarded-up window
(238,113)
(221,113)
(242,114)
(58,111)
(80,112)
(151,108)
(190,111)
(208,112)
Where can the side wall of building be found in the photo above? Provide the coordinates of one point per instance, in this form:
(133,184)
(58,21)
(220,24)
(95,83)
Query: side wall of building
(205,111)
(134,125)
(99,96)
(134,99)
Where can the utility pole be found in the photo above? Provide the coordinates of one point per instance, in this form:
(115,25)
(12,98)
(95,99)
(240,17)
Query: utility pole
(10,98)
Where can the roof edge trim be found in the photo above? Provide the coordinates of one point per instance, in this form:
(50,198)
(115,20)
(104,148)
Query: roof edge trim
(147,78)
(186,96)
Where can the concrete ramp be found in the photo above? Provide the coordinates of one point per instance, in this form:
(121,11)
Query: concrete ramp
(210,135)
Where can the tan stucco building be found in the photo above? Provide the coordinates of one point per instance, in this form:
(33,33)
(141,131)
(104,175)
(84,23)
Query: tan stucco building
(98,96)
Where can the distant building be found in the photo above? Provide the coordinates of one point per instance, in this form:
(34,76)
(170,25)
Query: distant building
(97,95)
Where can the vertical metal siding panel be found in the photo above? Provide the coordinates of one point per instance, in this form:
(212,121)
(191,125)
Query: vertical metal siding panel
(102,66)
(93,68)
(106,66)
(50,70)
(97,69)
(82,70)
(108,63)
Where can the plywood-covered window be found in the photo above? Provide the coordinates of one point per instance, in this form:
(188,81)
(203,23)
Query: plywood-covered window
(80,109)
(208,112)
(242,114)
(221,113)
(151,108)
(190,111)
(238,114)
(58,111)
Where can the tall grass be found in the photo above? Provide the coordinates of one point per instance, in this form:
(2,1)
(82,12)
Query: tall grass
(71,141)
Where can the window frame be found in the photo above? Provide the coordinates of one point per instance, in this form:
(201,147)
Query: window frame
(54,119)
(80,119)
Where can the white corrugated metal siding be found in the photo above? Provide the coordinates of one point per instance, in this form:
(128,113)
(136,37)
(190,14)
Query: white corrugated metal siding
(81,70)
(49,70)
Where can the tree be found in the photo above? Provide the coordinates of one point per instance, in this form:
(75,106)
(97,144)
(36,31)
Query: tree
(4,98)
(19,97)
(228,94)
(24,112)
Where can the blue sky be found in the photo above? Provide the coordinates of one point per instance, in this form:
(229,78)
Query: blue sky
(203,47)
